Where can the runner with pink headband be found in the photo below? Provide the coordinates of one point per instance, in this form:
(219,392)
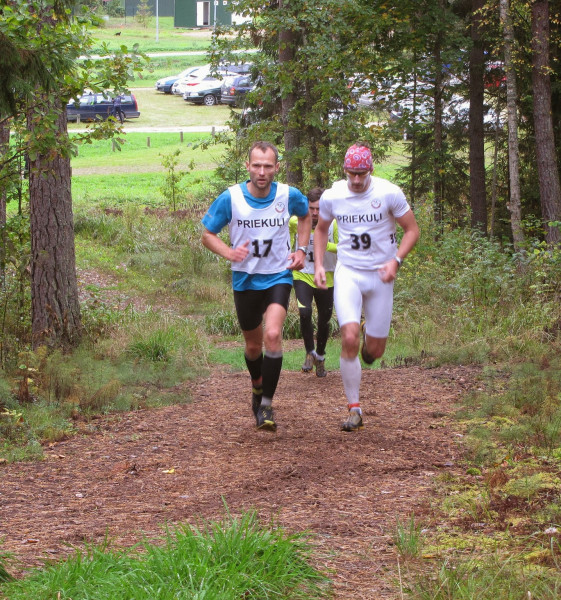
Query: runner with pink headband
(358,158)
(369,255)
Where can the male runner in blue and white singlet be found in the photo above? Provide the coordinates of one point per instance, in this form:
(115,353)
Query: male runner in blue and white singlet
(366,210)
(257,213)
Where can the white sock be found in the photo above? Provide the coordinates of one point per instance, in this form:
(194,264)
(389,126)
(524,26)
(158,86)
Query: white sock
(351,374)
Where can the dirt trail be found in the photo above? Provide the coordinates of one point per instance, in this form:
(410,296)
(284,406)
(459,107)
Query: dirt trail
(346,489)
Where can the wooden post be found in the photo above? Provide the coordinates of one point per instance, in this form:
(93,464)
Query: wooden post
(213,131)
(148,142)
(181,136)
(114,145)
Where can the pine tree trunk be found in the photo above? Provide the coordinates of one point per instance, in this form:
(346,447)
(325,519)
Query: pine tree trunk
(438,167)
(514,204)
(548,173)
(287,44)
(478,198)
(55,308)
(4,142)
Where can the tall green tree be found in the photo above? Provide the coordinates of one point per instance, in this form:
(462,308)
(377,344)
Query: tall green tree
(42,39)
(548,170)
(29,33)
(425,57)
(307,69)
(4,145)
(289,41)
(512,120)
(477,188)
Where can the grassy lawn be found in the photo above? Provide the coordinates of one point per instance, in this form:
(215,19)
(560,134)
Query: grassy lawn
(169,38)
(136,156)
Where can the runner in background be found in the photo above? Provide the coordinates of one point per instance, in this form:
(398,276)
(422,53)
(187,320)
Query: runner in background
(307,291)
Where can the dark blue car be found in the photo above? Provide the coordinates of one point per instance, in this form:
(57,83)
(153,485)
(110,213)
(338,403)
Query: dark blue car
(95,107)
(235,88)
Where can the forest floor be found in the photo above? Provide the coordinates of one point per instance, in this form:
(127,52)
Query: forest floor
(142,470)
(131,474)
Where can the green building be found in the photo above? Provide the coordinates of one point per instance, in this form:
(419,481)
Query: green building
(204,13)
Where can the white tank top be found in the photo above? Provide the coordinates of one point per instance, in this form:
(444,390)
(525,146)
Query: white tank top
(365,221)
(265,228)
(329,258)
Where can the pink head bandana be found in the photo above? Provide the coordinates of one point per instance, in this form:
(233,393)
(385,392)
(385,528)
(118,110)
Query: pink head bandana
(359,158)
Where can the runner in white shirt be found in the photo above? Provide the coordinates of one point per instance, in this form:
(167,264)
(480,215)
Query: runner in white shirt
(366,209)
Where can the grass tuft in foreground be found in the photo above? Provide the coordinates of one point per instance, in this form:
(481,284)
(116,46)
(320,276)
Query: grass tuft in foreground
(232,559)
(496,577)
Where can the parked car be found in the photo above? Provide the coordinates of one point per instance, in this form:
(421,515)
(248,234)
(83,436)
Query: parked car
(178,87)
(206,91)
(235,88)
(96,106)
(208,74)
(225,68)
(165,84)
(367,99)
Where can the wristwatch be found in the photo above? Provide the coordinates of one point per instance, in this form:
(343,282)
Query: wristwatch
(399,261)
(303,248)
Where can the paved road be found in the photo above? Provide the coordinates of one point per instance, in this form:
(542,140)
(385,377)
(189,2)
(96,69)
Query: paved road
(155,54)
(171,53)
(130,128)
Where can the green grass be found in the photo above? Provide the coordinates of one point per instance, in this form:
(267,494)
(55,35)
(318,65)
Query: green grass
(294,358)
(138,156)
(499,576)
(408,538)
(170,39)
(104,177)
(232,559)
(114,191)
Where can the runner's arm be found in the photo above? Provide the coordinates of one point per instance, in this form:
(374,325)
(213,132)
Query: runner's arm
(332,246)
(410,236)
(320,245)
(304,228)
(215,244)
(292,227)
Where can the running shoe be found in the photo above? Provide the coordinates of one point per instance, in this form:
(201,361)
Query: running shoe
(353,422)
(265,419)
(320,368)
(366,357)
(308,363)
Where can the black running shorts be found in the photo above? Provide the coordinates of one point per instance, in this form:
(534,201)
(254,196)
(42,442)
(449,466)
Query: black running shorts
(252,304)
